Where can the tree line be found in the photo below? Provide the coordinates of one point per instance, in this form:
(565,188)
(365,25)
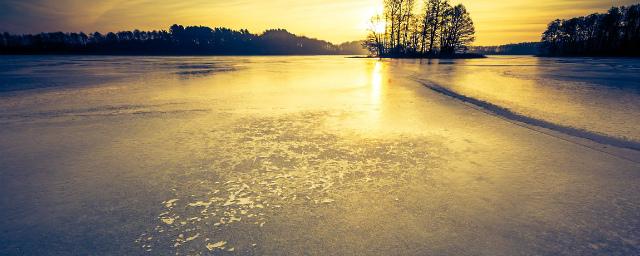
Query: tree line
(438,29)
(527,48)
(178,40)
(615,33)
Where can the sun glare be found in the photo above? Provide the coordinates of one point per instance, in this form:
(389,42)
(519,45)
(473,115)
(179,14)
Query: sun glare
(378,27)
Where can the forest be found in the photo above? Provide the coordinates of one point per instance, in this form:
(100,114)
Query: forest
(178,40)
(438,29)
(615,33)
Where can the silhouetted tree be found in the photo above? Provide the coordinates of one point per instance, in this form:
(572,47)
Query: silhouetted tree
(434,13)
(458,30)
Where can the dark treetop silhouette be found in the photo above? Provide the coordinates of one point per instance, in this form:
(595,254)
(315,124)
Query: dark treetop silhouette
(615,33)
(438,30)
(179,40)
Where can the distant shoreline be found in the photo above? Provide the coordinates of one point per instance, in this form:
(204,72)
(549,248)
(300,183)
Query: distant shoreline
(177,41)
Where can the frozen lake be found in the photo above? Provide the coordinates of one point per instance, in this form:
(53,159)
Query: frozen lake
(318,155)
(599,95)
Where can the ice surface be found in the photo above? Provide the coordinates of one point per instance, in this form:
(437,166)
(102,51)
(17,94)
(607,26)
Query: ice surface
(598,95)
(312,156)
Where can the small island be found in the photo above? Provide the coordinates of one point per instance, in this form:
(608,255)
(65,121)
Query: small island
(439,30)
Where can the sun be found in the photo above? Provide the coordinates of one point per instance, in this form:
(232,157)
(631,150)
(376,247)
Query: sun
(378,26)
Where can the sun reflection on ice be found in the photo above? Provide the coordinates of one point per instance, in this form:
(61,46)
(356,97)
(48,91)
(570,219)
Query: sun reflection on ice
(375,95)
(376,84)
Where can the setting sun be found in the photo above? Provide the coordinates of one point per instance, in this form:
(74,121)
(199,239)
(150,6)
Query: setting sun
(378,27)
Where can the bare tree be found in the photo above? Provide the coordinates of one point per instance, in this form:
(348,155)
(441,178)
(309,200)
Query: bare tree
(458,30)
(375,42)
(436,14)
(392,9)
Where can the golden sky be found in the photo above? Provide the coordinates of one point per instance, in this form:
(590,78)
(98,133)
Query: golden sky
(497,21)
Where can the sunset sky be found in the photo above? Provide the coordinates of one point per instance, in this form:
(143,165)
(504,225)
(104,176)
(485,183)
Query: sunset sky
(497,21)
